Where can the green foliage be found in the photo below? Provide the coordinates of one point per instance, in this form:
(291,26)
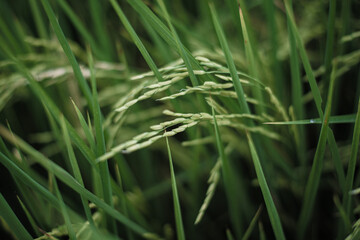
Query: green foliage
(97,98)
(12,221)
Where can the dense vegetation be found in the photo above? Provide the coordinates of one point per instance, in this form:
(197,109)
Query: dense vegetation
(179,119)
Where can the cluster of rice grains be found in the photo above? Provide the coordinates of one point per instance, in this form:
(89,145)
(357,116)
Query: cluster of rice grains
(176,76)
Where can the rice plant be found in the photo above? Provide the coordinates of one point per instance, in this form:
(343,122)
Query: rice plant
(179,119)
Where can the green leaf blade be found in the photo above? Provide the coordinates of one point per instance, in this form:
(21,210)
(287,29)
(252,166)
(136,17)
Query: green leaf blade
(177,209)
(270,206)
(11,219)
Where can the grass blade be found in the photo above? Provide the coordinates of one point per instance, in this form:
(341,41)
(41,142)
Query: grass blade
(342,212)
(262,235)
(244,108)
(229,60)
(253,68)
(179,45)
(7,35)
(11,219)
(336,157)
(100,142)
(85,127)
(229,182)
(69,54)
(29,217)
(39,22)
(66,178)
(162,30)
(252,224)
(233,7)
(314,89)
(64,212)
(97,10)
(158,42)
(153,20)
(27,180)
(309,72)
(278,76)
(136,40)
(122,196)
(349,118)
(75,169)
(296,95)
(345,20)
(51,106)
(270,206)
(229,236)
(352,165)
(80,27)
(177,209)
(330,40)
(316,169)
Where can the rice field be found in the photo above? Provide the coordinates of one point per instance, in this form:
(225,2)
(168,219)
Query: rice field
(181,119)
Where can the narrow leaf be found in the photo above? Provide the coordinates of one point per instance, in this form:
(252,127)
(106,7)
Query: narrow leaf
(229,182)
(309,72)
(136,40)
(253,68)
(177,209)
(66,178)
(11,219)
(64,212)
(100,142)
(67,50)
(316,169)
(229,60)
(349,118)
(75,168)
(180,47)
(270,206)
(352,165)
